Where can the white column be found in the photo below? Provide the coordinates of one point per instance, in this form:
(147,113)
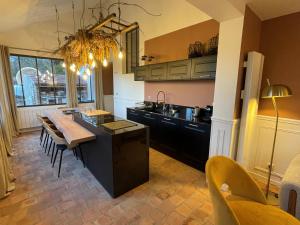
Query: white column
(224,126)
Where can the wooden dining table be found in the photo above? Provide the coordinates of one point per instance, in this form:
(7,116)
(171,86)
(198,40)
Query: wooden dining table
(72,131)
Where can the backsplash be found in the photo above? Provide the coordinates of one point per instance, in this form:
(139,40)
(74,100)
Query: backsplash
(187,93)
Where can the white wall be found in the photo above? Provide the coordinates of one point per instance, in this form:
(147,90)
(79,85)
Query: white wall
(287,146)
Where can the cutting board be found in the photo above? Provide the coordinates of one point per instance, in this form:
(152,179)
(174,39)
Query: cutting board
(95,113)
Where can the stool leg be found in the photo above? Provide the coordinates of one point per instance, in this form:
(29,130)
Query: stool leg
(55,157)
(51,140)
(52,153)
(47,142)
(60,160)
(42,134)
(45,139)
(81,155)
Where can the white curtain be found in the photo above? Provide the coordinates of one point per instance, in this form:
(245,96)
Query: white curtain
(71,77)
(7,99)
(6,175)
(99,96)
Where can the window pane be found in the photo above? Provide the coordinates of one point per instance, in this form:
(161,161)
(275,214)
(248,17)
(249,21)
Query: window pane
(30,80)
(46,81)
(84,89)
(59,81)
(15,72)
(128,52)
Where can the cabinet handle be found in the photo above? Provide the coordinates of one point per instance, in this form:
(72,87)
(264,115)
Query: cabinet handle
(170,123)
(147,114)
(194,129)
(149,118)
(168,119)
(193,125)
(135,114)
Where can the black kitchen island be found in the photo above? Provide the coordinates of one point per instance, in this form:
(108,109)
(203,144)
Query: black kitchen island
(119,156)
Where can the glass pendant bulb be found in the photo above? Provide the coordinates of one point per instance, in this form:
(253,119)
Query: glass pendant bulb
(84,76)
(88,71)
(93,64)
(105,63)
(91,57)
(120,54)
(78,72)
(73,67)
(63,65)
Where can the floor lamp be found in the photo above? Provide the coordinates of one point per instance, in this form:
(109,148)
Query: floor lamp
(273,92)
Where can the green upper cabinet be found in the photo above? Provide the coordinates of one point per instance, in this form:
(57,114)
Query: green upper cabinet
(141,73)
(204,67)
(189,69)
(179,70)
(158,72)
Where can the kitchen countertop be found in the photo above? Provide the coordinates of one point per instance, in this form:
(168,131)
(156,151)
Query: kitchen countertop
(183,113)
(106,121)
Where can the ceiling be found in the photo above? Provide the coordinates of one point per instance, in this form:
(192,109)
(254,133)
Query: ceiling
(267,9)
(16,13)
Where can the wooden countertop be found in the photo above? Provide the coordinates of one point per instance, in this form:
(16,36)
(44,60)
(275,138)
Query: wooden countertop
(73,132)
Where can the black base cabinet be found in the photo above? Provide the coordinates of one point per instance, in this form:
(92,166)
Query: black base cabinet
(183,140)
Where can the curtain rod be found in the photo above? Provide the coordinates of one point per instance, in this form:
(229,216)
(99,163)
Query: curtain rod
(32,50)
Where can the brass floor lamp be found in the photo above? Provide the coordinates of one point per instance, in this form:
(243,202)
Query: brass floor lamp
(273,92)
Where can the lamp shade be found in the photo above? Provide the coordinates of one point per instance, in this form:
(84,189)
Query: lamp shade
(276,91)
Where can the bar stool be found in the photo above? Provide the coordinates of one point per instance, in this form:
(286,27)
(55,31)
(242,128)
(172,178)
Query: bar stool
(42,119)
(61,145)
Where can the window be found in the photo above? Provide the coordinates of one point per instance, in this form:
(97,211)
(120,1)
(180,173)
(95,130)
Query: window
(38,81)
(84,89)
(132,50)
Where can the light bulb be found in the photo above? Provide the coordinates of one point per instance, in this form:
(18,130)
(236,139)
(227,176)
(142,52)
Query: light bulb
(93,64)
(63,65)
(105,63)
(78,72)
(88,71)
(73,67)
(120,54)
(91,57)
(84,76)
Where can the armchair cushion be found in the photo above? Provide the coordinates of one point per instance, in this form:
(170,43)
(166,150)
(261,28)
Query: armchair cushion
(250,213)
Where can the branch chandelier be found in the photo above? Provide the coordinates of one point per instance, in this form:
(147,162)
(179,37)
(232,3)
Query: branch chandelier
(95,43)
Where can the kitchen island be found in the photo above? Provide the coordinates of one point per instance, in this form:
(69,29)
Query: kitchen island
(119,155)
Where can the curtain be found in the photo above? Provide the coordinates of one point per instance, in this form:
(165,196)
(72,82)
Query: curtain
(6,175)
(71,77)
(7,100)
(99,96)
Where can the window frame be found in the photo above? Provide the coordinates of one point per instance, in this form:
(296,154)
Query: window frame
(137,49)
(38,79)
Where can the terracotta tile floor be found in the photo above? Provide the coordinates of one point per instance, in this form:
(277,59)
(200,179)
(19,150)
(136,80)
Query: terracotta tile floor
(175,194)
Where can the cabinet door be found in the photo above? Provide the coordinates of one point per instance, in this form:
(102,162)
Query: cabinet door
(158,72)
(141,73)
(149,119)
(179,70)
(169,133)
(195,144)
(133,115)
(204,67)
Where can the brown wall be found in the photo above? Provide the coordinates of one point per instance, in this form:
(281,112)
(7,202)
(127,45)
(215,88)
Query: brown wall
(174,46)
(107,74)
(250,42)
(280,43)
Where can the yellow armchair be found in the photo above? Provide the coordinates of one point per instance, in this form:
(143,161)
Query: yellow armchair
(246,204)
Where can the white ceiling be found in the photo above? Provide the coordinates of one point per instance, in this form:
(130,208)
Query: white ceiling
(21,13)
(267,9)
